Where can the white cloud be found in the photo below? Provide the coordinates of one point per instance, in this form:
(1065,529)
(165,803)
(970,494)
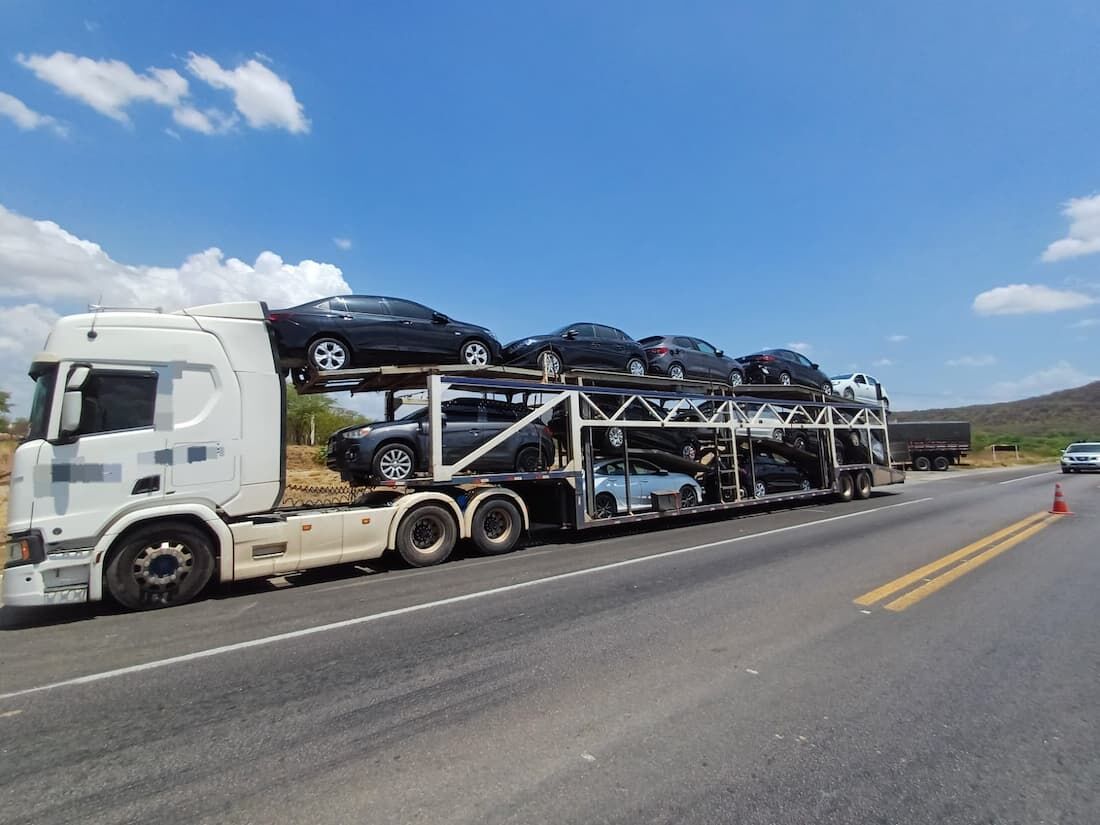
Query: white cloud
(882,362)
(1083,237)
(897,338)
(1085,322)
(27,118)
(343,243)
(1060,376)
(972,361)
(108,86)
(23,330)
(209,122)
(42,260)
(800,346)
(1023,299)
(264,98)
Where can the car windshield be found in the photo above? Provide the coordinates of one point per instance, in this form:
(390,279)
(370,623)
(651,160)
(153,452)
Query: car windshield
(39,421)
(1091,447)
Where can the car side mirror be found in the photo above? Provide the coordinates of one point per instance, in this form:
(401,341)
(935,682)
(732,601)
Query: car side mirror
(662,472)
(72,408)
(570,334)
(721,352)
(815,366)
(440,318)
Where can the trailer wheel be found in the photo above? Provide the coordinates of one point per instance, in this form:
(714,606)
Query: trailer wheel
(496,527)
(940,463)
(846,488)
(426,535)
(863,484)
(605,506)
(160,566)
(922,463)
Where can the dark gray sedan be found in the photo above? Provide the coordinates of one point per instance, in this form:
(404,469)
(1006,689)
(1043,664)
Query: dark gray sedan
(683,356)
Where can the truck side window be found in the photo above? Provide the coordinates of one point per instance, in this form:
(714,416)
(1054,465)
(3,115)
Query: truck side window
(115,401)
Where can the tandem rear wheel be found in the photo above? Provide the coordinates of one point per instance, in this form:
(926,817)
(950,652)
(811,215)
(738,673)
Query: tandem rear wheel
(497,527)
(426,535)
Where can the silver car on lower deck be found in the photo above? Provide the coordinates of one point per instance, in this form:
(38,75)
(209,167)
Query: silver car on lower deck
(645,479)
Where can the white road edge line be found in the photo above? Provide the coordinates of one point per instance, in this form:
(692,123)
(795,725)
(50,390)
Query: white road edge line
(1033,475)
(417,608)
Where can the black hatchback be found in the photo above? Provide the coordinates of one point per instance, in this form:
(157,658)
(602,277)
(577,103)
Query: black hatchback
(374,331)
(683,356)
(784,366)
(582,344)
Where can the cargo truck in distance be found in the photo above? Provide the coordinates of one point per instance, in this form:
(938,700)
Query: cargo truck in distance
(929,445)
(155,462)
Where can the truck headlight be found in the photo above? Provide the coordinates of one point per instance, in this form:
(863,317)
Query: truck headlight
(26,548)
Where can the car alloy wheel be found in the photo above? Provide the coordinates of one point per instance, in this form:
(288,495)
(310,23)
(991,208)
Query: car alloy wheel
(785,379)
(849,393)
(827,388)
(328,354)
(395,464)
(549,362)
(806,486)
(736,378)
(475,353)
(688,496)
(635,366)
(676,372)
(616,437)
(689,452)
(760,489)
(605,506)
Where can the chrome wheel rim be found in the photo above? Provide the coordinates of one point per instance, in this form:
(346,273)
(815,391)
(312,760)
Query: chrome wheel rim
(475,354)
(550,363)
(329,355)
(785,380)
(827,388)
(676,372)
(616,437)
(760,490)
(805,485)
(735,379)
(395,465)
(688,452)
(164,565)
(635,367)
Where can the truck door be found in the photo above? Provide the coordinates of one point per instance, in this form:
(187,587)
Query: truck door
(107,457)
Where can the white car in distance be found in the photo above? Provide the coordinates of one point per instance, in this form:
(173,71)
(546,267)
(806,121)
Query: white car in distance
(859,386)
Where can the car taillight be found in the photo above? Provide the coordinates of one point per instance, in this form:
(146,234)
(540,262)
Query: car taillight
(276,316)
(765,358)
(657,351)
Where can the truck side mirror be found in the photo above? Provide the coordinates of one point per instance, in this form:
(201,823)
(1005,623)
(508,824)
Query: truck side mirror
(72,408)
(77,376)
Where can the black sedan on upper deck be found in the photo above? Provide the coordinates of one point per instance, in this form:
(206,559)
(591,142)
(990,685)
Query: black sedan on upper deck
(374,331)
(784,366)
(587,345)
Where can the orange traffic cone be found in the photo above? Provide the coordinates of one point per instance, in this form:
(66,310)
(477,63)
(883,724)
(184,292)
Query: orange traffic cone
(1060,507)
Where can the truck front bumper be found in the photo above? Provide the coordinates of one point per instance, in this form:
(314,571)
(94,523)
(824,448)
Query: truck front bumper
(61,579)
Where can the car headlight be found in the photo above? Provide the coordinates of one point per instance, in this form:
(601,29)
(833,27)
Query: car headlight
(360,433)
(25,549)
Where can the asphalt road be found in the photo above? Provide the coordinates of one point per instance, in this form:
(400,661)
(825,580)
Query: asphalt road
(721,671)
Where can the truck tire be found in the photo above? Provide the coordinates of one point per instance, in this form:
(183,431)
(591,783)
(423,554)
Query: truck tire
(922,463)
(426,535)
(940,463)
(863,484)
(845,487)
(497,527)
(160,565)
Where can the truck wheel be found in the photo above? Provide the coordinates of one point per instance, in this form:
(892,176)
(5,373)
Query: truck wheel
(922,463)
(863,484)
(496,528)
(160,566)
(426,535)
(845,487)
(605,506)
(940,463)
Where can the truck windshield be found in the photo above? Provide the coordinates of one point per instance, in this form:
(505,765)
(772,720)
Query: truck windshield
(44,380)
(1084,448)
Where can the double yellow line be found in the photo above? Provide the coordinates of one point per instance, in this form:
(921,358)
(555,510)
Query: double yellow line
(965,559)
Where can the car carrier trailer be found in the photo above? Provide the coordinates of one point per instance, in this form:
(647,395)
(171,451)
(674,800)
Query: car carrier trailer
(156,459)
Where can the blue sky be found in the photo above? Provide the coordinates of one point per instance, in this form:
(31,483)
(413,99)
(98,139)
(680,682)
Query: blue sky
(834,175)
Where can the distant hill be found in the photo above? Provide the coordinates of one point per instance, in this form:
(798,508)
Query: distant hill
(1075,412)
